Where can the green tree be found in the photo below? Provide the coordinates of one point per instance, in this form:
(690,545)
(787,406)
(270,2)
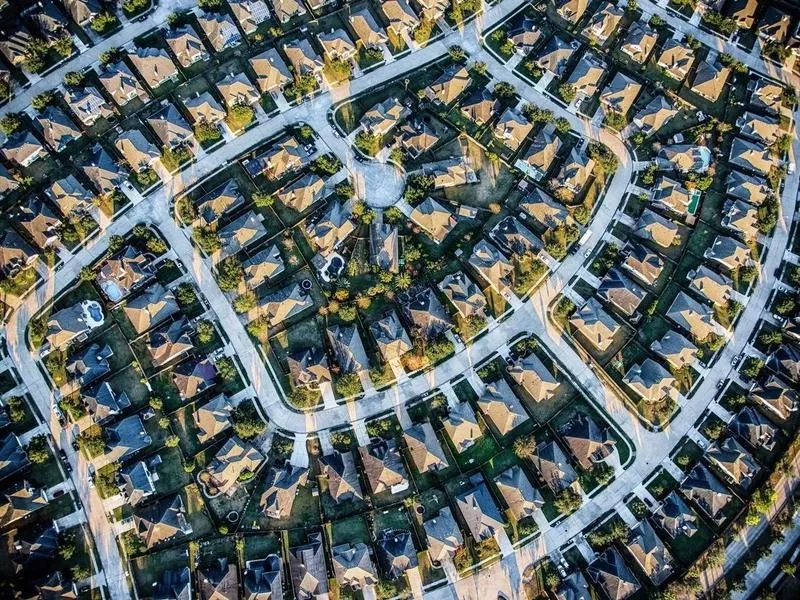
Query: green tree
(63,46)
(38,450)
(103,22)
(10,123)
(87,273)
(207,133)
(567,92)
(229,274)
(205,332)
(504,90)
(562,125)
(246,421)
(226,369)
(245,302)
(43,100)
(185,294)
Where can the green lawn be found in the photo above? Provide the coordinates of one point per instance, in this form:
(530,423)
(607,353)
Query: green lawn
(662,484)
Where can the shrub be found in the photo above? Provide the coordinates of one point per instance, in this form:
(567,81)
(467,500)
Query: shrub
(567,92)
(16,409)
(10,123)
(43,100)
(207,239)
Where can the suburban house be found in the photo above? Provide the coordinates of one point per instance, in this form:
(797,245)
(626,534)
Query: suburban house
(348,349)
(58,129)
(231,463)
(674,517)
(622,293)
(531,374)
(341,476)
(729,252)
(595,324)
(193,376)
(736,463)
(212,418)
(68,323)
(554,468)
(620,94)
(480,106)
(271,71)
(89,364)
(383,467)
(480,511)
(136,150)
(518,493)
(774,396)
(236,90)
(154,65)
(540,155)
(303,58)
(424,448)
(492,265)
(302,193)
(240,233)
(396,552)
(610,573)
(22,149)
(391,337)
(541,206)
(286,10)
(332,228)
(512,128)
(124,440)
(162,521)
(186,45)
(352,566)
(368,32)
(38,221)
(402,20)
(449,85)
(150,308)
(653,227)
(716,287)
(751,157)
(676,59)
(263,265)
(249,14)
(586,440)
(709,80)
(384,116)
(461,426)
(70,196)
(554,56)
(586,76)
(171,128)
(121,85)
(384,246)
(220,30)
(501,407)
(604,23)
(281,490)
(307,566)
(309,368)
(219,581)
(464,295)
(103,171)
(427,315)
(697,319)
(204,108)
(283,304)
(651,382)
(655,115)
(571,10)
(754,429)
(678,351)
(337,45)
(639,43)
(443,535)
(706,490)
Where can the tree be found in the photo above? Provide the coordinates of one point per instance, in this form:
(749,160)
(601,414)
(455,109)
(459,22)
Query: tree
(37,450)
(367,143)
(562,125)
(504,90)
(16,409)
(10,123)
(87,273)
(568,501)
(263,199)
(246,421)
(135,6)
(207,239)
(63,46)
(43,100)
(35,55)
(226,369)
(615,120)
(524,447)
(185,294)
(155,403)
(66,545)
(456,52)
(567,92)
(327,164)
(172,441)
(240,116)
(206,132)
(103,22)
(348,385)
(480,68)
(205,332)
(345,190)
(115,243)
(303,397)
(229,274)
(163,422)
(769,338)
(245,302)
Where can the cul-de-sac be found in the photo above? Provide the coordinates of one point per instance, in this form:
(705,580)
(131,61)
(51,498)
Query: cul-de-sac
(400,299)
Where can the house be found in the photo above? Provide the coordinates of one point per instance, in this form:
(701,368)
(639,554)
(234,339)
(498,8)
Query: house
(512,129)
(212,205)
(539,157)
(68,323)
(218,582)
(171,128)
(7,182)
(501,407)
(384,247)
(774,396)
(763,129)
(70,196)
(137,481)
(58,129)
(492,265)
(249,14)
(449,85)
(571,10)
(729,252)
(281,490)
(337,45)
(714,286)
(136,150)
(402,20)
(212,418)
(164,520)
(309,368)
(236,90)
(368,32)
(204,108)
(479,511)
(48,20)
(12,456)
(653,227)
(384,116)
(341,476)
(774,25)
(704,489)
(464,295)
(743,12)
(103,171)
(586,440)
(391,337)
(755,429)
(15,253)
(553,467)
(396,552)
(674,517)
(434,219)
(450,172)
(433,10)
(696,318)
(649,552)
(427,315)
(154,66)
(220,30)
(307,568)
(573,587)
(516,239)
(678,351)
(271,72)
(150,308)
(284,304)
(751,157)
(124,439)
(83,11)
(767,96)
(123,272)
(303,58)
(383,467)
(525,36)
(676,59)
(14,45)
(265,264)
(479,107)
(443,535)
(519,495)
(604,23)
(595,324)
(639,42)
(303,192)
(709,80)
(424,448)
(102,402)
(333,227)
(554,56)
(245,230)
(741,217)
(785,361)
(348,349)
(193,376)
(685,158)
(418,138)
(231,464)
(352,566)
(651,382)
(655,115)
(576,171)
(32,549)
(610,573)
(263,578)
(38,221)
(186,45)
(586,76)
(541,206)
(534,377)
(22,149)
(671,196)
(90,365)
(88,105)
(736,463)
(622,293)
(285,10)
(462,427)
(20,501)
(121,85)
(642,263)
